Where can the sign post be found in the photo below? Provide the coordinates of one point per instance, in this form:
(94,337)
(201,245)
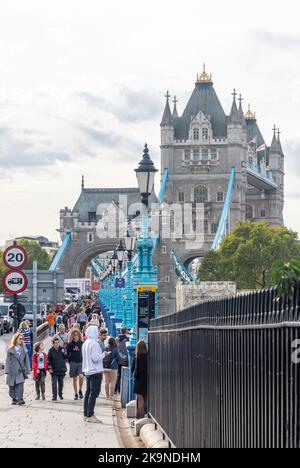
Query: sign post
(15,281)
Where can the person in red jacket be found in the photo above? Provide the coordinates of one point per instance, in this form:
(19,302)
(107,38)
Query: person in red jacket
(39,369)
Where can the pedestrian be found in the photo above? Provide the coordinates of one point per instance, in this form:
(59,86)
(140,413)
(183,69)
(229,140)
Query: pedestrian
(92,367)
(27,335)
(121,341)
(110,364)
(57,368)
(94,320)
(140,374)
(103,337)
(40,369)
(74,353)
(17,369)
(51,318)
(82,318)
(58,321)
(62,336)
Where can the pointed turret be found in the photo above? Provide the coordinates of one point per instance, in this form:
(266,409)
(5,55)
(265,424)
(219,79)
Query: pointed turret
(241,112)
(278,141)
(175,113)
(167,119)
(82,182)
(234,117)
(274,148)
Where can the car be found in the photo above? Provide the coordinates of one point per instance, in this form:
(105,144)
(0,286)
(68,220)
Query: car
(1,326)
(8,321)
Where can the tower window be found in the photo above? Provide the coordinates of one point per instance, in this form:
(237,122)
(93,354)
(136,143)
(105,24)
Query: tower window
(205,134)
(196,155)
(196,134)
(205,154)
(220,196)
(200,194)
(213,154)
(164,249)
(249,212)
(181,197)
(90,237)
(214,228)
(187,155)
(167,279)
(263,213)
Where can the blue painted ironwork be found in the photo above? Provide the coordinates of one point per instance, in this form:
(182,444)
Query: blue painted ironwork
(180,268)
(223,227)
(61,252)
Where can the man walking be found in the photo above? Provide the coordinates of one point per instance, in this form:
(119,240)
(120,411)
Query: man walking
(92,367)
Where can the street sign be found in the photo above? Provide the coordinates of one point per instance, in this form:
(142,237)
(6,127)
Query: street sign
(120,283)
(15,257)
(14,282)
(146,311)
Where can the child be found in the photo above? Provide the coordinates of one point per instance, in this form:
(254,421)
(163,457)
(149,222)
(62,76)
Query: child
(57,368)
(40,368)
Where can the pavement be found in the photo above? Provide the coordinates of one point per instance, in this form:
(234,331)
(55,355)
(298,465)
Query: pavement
(47,424)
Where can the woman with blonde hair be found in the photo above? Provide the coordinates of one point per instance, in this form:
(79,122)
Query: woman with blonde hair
(94,321)
(74,353)
(17,368)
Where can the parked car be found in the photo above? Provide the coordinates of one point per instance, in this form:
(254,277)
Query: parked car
(1,325)
(8,321)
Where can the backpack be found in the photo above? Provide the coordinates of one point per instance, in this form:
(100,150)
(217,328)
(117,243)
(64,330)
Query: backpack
(107,360)
(59,320)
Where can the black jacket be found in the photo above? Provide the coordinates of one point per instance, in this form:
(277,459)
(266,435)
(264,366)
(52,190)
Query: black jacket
(139,369)
(74,351)
(56,361)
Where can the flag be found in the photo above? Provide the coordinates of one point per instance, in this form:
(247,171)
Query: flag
(261,148)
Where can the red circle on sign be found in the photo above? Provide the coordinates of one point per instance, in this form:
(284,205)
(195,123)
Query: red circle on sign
(23,287)
(10,249)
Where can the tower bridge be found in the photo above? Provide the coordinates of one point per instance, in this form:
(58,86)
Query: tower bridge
(208,157)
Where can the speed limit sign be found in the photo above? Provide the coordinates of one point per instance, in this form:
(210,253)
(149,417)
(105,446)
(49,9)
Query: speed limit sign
(15,282)
(15,257)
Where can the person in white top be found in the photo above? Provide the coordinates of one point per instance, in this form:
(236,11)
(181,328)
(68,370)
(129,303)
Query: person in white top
(92,368)
(94,321)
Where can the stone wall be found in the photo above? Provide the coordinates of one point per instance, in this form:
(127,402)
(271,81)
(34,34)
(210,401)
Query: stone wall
(192,294)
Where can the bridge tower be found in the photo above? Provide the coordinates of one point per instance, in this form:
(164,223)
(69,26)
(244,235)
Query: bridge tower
(199,148)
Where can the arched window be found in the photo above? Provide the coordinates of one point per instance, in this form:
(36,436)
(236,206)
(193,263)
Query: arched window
(249,212)
(205,134)
(196,134)
(200,194)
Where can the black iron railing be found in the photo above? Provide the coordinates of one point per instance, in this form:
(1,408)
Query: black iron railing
(225,373)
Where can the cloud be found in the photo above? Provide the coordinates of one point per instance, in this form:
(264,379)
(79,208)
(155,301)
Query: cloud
(276,39)
(18,151)
(128,106)
(292,156)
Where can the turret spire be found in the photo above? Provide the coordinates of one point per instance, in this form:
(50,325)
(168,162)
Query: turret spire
(249,114)
(241,112)
(167,119)
(234,113)
(278,140)
(204,77)
(274,148)
(175,113)
(82,182)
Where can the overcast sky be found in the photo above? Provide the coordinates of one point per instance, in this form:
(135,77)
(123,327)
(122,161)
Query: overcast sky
(82,87)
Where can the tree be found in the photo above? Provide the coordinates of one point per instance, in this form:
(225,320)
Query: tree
(34,252)
(246,255)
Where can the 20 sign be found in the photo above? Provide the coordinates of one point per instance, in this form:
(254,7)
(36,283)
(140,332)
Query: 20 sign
(15,257)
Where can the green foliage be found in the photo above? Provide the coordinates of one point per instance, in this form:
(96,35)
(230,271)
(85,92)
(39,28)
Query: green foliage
(285,276)
(34,251)
(246,256)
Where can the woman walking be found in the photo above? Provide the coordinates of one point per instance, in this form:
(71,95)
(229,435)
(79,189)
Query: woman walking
(140,373)
(74,353)
(94,321)
(27,334)
(110,364)
(62,336)
(17,369)
(40,369)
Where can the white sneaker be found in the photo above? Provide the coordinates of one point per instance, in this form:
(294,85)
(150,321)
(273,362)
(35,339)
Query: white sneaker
(94,420)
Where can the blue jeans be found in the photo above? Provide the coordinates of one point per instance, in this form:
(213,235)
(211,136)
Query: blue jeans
(29,351)
(93,386)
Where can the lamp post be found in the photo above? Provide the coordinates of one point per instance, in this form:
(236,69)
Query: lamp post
(129,315)
(144,276)
(120,252)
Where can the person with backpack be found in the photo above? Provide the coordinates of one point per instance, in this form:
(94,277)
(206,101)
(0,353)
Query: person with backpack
(58,321)
(82,318)
(121,341)
(40,369)
(17,369)
(140,373)
(110,364)
(57,368)
(63,337)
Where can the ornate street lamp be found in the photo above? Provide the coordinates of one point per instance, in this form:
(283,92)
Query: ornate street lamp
(120,251)
(129,242)
(114,262)
(145,174)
